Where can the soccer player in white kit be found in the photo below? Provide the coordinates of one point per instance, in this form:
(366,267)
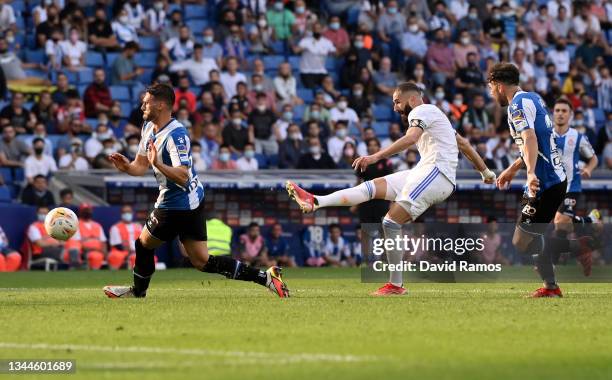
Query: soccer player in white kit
(430,182)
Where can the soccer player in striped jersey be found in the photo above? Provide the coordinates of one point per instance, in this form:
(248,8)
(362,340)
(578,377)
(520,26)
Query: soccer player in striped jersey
(532,130)
(430,182)
(179,210)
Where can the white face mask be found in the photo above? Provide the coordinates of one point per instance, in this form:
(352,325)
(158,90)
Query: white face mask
(158,5)
(342,105)
(315,150)
(341,133)
(133,149)
(261,107)
(465,40)
(123,19)
(458,102)
(224,157)
(237,121)
(295,136)
(439,95)
(41,217)
(413,28)
(249,154)
(127,217)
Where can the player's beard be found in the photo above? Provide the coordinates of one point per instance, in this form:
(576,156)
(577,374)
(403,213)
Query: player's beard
(501,99)
(404,114)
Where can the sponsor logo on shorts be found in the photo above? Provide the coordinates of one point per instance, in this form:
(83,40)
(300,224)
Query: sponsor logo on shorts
(529,210)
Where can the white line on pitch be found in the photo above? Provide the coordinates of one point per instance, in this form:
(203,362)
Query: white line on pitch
(286,357)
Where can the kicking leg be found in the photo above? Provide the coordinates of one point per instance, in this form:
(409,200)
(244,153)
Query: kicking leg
(197,251)
(528,243)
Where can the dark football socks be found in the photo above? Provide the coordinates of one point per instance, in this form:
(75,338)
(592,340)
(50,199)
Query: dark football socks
(143,269)
(234,269)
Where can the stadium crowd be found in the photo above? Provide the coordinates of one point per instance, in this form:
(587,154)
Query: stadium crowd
(282,83)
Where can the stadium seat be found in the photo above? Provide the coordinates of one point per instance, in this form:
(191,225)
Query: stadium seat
(380,128)
(197,26)
(73,77)
(121,93)
(294,61)
(262,161)
(126,109)
(381,112)
(273,160)
(35,56)
(195,12)
(35,73)
(278,47)
(298,112)
(600,116)
(18,175)
(305,94)
(81,89)
(7,175)
(271,62)
(146,59)
(110,58)
(5,194)
(331,64)
(94,59)
(86,76)
(147,43)
(92,122)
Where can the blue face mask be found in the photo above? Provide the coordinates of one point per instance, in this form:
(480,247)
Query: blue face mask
(288,115)
(224,157)
(392,10)
(208,40)
(334,25)
(249,154)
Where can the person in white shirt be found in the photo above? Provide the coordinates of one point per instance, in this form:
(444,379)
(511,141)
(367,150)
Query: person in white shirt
(343,112)
(231,77)
(248,162)
(198,160)
(7,17)
(155,18)
(430,182)
(286,86)
(74,160)
(335,144)
(93,145)
(459,8)
(53,50)
(198,67)
(38,162)
(554,5)
(179,49)
(314,52)
(136,13)
(559,56)
(336,250)
(282,123)
(73,51)
(525,68)
(585,21)
(123,30)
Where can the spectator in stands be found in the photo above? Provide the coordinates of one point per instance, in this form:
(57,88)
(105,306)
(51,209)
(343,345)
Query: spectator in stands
(604,88)
(281,20)
(336,250)
(92,237)
(73,51)
(161,72)
(280,126)
(522,41)
(184,97)
(337,35)
(471,23)
(40,131)
(53,50)
(541,27)
(211,48)
(588,52)
(525,68)
(362,146)
(470,79)
(17,115)
(116,122)
(124,70)
(493,26)
(74,160)
(210,143)
(198,162)
(314,52)
(391,23)
(303,19)
(234,45)
(439,99)
(498,148)
(38,162)
(278,248)
(336,143)
(100,32)
(97,97)
(124,31)
(154,21)
(241,100)
(224,160)
(136,14)
(561,24)
(359,102)
(457,108)
(71,114)
(131,145)
(476,116)
(285,86)
(40,243)
(440,59)
(60,95)
(252,247)
(413,42)
(248,162)
(179,49)
(260,122)
(93,145)
(12,151)
(342,112)
(7,18)
(316,110)
(10,259)
(258,41)
(315,158)
(231,77)
(585,21)
(236,133)
(122,236)
(607,155)
(67,199)
(45,109)
(259,69)
(348,156)
(462,48)
(172,28)
(330,91)
(45,28)
(198,67)
(37,193)
(385,81)
(291,148)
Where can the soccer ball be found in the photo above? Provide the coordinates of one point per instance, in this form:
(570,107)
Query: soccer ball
(61,223)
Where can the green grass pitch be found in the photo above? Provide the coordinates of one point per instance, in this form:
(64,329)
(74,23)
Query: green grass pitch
(197,326)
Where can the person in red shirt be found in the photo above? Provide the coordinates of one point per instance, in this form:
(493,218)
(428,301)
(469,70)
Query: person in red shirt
(337,35)
(183,97)
(97,97)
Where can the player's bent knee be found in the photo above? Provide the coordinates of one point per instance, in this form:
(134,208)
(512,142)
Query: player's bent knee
(197,251)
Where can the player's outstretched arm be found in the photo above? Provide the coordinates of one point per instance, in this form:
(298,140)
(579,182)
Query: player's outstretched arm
(136,168)
(401,144)
(464,146)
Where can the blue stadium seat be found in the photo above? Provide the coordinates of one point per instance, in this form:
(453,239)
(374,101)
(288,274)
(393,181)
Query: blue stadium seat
(380,128)
(600,116)
(262,161)
(273,61)
(381,112)
(298,112)
(86,76)
(278,47)
(197,26)
(146,59)
(294,61)
(147,43)
(5,194)
(81,88)
(195,12)
(73,77)
(18,7)
(35,56)
(92,122)
(273,160)
(94,59)
(331,64)
(174,7)
(305,94)
(110,58)
(121,93)
(35,73)
(7,174)
(18,175)
(353,15)
(126,109)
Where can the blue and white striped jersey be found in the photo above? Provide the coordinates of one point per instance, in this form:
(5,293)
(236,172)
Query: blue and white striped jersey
(173,149)
(573,145)
(528,111)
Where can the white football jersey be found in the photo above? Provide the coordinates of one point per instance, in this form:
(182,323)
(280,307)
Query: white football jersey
(438,144)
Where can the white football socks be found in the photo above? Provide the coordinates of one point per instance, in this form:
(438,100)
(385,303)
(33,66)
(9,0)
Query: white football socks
(348,197)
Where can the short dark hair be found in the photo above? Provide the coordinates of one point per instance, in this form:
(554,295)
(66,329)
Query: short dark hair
(131,45)
(37,139)
(335,225)
(66,191)
(408,87)
(163,92)
(253,224)
(566,101)
(505,73)
(39,176)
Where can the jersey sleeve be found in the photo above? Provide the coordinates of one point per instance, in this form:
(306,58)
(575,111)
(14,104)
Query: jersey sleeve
(178,146)
(585,148)
(522,114)
(417,119)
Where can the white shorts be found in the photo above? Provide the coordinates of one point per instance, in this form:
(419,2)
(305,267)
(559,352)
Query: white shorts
(418,189)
